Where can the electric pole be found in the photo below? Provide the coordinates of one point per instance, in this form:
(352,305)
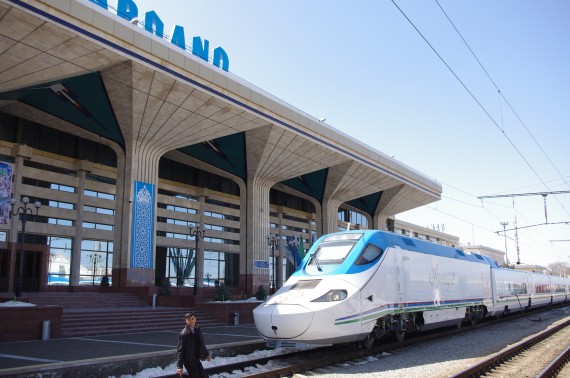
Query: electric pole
(504,224)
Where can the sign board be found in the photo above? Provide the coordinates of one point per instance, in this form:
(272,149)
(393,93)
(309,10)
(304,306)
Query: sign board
(261,264)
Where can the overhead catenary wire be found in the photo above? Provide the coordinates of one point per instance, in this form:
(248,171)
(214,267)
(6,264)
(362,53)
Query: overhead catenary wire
(501,95)
(502,130)
(522,156)
(528,242)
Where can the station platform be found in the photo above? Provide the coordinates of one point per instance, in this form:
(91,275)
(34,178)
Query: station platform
(115,355)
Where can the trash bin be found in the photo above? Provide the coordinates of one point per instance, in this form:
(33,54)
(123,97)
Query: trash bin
(46,329)
(236,318)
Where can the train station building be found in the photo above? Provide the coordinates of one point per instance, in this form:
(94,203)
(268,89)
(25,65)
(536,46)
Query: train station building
(150,161)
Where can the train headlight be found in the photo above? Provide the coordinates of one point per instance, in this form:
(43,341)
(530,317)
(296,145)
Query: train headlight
(332,296)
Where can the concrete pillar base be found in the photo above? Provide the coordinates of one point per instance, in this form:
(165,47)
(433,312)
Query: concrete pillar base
(129,277)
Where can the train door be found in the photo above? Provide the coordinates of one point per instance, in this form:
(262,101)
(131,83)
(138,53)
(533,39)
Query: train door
(375,296)
(402,266)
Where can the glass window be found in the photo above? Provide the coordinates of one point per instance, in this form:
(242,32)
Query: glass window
(96,262)
(180,265)
(221,268)
(98,210)
(93,193)
(63,188)
(60,222)
(59,264)
(370,254)
(61,205)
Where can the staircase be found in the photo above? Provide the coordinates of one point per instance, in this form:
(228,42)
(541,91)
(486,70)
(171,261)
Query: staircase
(87,299)
(98,314)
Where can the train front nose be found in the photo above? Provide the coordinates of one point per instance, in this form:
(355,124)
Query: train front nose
(278,321)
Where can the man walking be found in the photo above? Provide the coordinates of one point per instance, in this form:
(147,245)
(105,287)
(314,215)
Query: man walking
(191,349)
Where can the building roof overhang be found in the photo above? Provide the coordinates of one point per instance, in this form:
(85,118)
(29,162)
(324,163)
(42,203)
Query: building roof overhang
(70,59)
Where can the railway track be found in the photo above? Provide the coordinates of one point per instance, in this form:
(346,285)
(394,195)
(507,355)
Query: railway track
(288,364)
(311,360)
(541,355)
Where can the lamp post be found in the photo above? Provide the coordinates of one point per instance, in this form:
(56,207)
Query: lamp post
(24,209)
(504,224)
(273,242)
(95,259)
(197,233)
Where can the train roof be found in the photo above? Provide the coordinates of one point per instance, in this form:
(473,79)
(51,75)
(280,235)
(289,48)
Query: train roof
(424,246)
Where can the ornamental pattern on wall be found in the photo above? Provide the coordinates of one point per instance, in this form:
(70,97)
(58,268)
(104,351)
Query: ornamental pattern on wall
(143,225)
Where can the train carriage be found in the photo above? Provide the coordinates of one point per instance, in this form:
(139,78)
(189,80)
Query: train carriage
(540,290)
(358,286)
(511,291)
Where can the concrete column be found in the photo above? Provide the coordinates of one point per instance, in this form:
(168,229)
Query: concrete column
(281,250)
(20,153)
(311,228)
(258,228)
(381,216)
(380,222)
(200,246)
(245,262)
(141,164)
(333,196)
(330,215)
(128,90)
(83,167)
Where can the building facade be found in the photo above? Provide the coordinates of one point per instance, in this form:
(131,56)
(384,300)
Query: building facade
(151,163)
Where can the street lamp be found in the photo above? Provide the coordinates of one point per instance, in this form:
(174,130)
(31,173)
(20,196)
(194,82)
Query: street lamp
(95,259)
(25,209)
(504,224)
(273,242)
(196,232)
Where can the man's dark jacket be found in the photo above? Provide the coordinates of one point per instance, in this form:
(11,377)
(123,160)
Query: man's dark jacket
(191,347)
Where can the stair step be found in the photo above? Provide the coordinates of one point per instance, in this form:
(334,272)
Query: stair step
(97,314)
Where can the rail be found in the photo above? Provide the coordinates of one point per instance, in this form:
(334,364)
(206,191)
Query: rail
(500,358)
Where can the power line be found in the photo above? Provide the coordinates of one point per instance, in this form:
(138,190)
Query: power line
(472,95)
(544,194)
(506,101)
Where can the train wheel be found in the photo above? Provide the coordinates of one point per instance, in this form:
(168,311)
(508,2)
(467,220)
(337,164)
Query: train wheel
(369,341)
(400,335)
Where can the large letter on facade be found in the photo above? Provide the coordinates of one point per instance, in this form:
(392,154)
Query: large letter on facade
(101,3)
(220,55)
(153,24)
(178,37)
(127,9)
(200,50)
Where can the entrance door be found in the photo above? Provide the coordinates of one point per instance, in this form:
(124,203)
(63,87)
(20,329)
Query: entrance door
(31,270)
(4,269)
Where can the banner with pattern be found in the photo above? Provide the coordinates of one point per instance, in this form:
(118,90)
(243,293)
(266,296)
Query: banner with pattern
(5,191)
(143,225)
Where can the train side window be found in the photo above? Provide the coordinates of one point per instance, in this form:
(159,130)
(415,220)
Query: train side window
(370,254)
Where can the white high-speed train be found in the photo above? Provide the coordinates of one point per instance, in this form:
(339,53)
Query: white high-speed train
(357,286)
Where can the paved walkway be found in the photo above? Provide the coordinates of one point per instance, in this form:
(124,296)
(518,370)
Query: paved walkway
(102,356)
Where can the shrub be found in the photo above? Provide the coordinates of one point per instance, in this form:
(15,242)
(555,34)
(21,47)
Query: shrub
(105,281)
(165,288)
(261,295)
(223,293)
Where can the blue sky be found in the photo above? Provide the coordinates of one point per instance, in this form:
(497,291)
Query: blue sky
(364,67)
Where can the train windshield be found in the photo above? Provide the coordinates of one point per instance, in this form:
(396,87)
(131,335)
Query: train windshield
(334,249)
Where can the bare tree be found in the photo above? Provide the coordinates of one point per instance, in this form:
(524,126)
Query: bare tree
(559,268)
